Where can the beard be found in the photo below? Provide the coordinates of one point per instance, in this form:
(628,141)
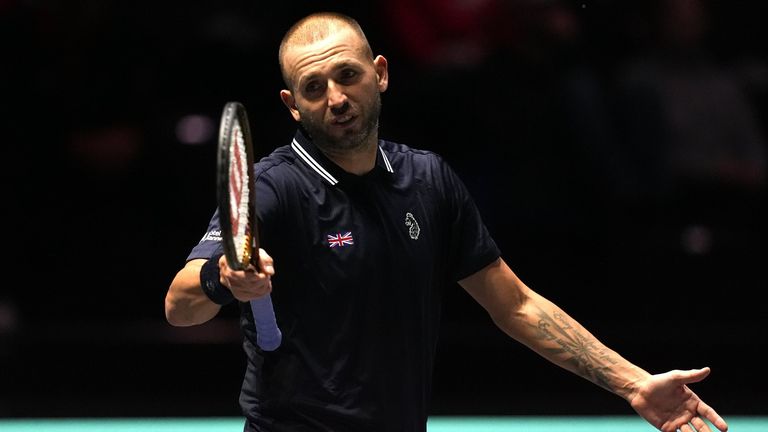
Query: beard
(352,139)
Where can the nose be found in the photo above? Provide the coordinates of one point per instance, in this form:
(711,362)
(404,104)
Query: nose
(336,97)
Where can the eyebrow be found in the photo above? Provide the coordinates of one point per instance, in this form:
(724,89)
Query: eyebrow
(335,67)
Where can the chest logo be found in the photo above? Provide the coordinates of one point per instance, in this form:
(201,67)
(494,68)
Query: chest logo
(340,240)
(413,226)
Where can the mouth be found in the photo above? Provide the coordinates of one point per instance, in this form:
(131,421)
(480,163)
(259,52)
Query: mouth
(343,120)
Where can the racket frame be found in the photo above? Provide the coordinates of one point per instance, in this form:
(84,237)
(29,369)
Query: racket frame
(234,113)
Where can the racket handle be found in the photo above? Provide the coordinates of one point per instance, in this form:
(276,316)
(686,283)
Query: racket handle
(268,335)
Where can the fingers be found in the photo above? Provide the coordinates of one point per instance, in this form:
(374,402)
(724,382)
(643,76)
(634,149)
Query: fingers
(266,263)
(703,411)
(223,262)
(695,425)
(251,283)
(700,425)
(691,376)
(710,414)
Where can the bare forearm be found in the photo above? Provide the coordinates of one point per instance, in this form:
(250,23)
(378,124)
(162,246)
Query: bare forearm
(185,303)
(663,400)
(548,330)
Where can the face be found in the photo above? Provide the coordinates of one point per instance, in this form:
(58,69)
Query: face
(336,91)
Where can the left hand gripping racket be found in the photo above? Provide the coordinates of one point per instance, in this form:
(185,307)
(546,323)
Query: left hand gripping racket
(236,200)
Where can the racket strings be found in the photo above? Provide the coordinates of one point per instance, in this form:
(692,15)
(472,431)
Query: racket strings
(240,196)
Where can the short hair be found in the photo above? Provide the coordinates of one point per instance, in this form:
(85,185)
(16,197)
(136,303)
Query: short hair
(315,27)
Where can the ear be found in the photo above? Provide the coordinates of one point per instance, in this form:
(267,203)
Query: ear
(290,102)
(382,72)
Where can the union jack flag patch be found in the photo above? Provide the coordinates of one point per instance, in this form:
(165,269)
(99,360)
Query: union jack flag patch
(340,240)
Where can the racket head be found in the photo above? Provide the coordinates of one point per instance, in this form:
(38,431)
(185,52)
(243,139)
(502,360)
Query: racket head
(236,189)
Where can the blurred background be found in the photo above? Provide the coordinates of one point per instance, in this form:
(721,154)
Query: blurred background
(617,151)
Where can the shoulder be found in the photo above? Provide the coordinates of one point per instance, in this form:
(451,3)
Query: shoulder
(411,158)
(277,164)
(415,167)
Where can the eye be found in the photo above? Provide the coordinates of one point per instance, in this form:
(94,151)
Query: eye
(313,87)
(347,75)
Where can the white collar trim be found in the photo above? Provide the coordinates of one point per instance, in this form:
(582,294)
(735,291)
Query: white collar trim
(315,165)
(386,161)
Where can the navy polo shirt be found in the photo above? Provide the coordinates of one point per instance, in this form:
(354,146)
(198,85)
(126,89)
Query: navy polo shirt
(360,264)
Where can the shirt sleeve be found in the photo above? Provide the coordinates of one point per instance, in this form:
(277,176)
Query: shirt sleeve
(471,247)
(210,243)
(266,207)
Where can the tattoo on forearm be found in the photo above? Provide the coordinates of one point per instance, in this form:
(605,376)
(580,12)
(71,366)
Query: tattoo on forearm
(590,358)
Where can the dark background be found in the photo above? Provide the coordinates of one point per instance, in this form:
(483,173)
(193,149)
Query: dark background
(617,151)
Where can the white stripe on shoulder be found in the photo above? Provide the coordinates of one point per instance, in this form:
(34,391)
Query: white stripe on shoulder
(386,161)
(312,162)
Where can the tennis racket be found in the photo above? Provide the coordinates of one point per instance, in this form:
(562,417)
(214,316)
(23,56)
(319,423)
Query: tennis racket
(237,215)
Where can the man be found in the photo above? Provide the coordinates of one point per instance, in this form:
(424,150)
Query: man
(365,234)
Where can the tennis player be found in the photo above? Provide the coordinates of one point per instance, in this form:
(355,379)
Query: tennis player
(363,235)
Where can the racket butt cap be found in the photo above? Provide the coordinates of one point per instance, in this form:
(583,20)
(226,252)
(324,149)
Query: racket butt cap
(269,342)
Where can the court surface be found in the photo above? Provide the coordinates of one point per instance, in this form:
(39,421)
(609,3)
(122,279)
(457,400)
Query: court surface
(435,424)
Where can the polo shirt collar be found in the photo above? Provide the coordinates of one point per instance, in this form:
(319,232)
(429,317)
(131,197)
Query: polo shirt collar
(306,150)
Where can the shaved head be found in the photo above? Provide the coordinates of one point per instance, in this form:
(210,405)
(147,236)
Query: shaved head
(317,27)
